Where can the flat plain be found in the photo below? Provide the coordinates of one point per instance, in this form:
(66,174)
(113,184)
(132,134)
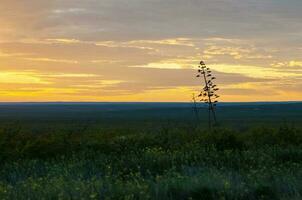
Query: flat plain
(150,151)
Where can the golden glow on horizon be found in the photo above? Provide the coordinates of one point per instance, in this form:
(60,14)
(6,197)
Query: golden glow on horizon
(99,51)
(21,78)
(85,91)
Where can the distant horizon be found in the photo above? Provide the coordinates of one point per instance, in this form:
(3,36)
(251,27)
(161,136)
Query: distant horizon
(113,102)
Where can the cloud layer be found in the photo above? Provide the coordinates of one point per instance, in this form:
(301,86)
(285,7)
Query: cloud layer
(147,50)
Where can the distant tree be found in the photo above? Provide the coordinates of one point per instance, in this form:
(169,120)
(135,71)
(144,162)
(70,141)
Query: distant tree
(208,93)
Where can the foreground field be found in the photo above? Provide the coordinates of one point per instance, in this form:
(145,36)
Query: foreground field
(137,158)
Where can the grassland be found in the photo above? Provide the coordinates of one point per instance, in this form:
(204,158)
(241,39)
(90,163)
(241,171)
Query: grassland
(74,152)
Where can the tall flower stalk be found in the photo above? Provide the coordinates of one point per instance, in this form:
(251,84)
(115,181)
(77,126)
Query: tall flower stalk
(195,107)
(208,94)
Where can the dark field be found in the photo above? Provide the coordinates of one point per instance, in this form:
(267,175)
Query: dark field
(150,151)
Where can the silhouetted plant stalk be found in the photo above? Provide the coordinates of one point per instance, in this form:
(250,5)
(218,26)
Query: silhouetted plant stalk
(195,107)
(208,94)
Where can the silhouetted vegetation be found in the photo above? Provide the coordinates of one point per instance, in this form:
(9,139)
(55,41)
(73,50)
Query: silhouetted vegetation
(147,158)
(208,93)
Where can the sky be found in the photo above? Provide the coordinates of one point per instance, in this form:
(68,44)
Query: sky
(149,50)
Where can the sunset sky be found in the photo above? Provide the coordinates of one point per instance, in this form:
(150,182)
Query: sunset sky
(148,50)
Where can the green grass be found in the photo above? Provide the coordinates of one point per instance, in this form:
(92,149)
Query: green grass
(150,151)
(175,161)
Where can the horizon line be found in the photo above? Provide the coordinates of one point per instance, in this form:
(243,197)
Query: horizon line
(88,102)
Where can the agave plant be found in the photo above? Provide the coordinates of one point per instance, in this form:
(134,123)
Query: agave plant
(195,107)
(208,93)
